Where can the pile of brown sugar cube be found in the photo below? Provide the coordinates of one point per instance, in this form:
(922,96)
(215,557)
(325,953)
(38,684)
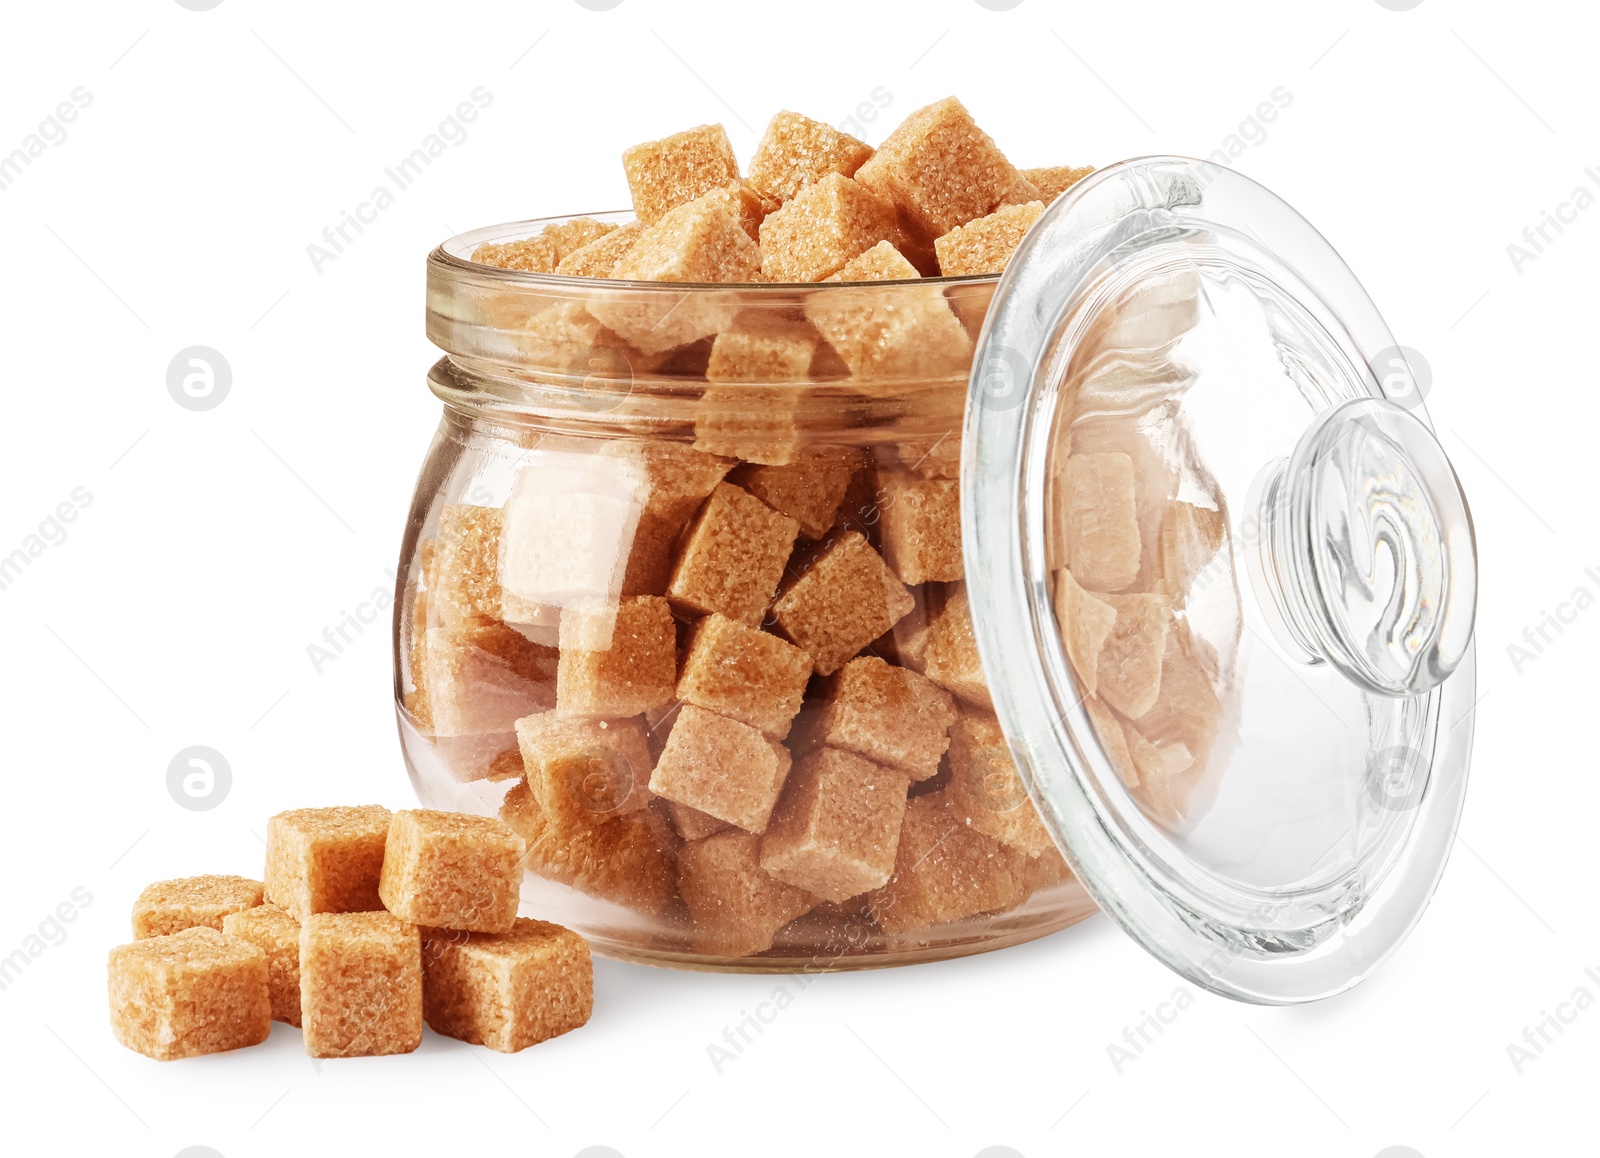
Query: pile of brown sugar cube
(731,683)
(367,924)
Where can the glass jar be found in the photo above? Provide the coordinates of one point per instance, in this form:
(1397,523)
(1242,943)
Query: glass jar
(806,626)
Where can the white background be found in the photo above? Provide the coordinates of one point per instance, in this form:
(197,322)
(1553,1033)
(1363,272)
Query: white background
(217,545)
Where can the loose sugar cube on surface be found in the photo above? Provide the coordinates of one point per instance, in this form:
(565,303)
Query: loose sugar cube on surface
(276,934)
(745,674)
(940,169)
(735,906)
(479,678)
(586,770)
(506,990)
(890,715)
(951,659)
(1054,180)
(463,573)
(616,659)
(822,228)
(835,830)
(665,174)
(732,557)
(452,870)
(908,333)
(986,787)
(360,985)
(326,860)
(945,870)
(620,860)
(755,423)
(173,906)
(721,767)
(1098,520)
(1128,676)
(986,244)
(195,992)
(600,257)
(1085,621)
(796,151)
(758,348)
(921,527)
(847,598)
(808,490)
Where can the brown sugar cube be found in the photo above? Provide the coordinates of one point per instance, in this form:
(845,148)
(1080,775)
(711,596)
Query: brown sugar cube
(986,788)
(1020,192)
(677,479)
(173,906)
(567,340)
(736,907)
(536,254)
(326,860)
(732,557)
(747,205)
(189,993)
(945,870)
(463,572)
(721,767)
(691,823)
(933,455)
(665,174)
(940,169)
(921,527)
(890,715)
(797,151)
(478,679)
(1188,709)
(883,262)
(600,256)
(835,830)
(844,601)
(906,644)
(360,985)
(1189,539)
(1098,520)
(1045,871)
(452,871)
(986,244)
(908,333)
(1128,675)
(745,674)
(586,770)
(620,861)
(761,349)
(951,659)
(755,423)
(699,242)
(823,228)
(1054,180)
(1085,621)
(616,659)
(808,490)
(276,934)
(506,990)
(571,236)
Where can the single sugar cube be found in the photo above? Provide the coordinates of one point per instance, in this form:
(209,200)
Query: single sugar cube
(951,657)
(835,831)
(906,644)
(506,990)
(883,262)
(844,601)
(572,235)
(699,242)
(1190,537)
(986,787)
(1085,621)
(760,349)
(808,490)
(732,557)
(940,168)
(986,244)
(890,715)
(721,767)
(478,678)
(1188,709)
(745,674)
(1054,180)
(1020,192)
(326,860)
(691,823)
(797,151)
(921,520)
(621,860)
(1128,675)
(173,906)
(945,870)
(909,332)
(677,480)
(194,992)
(536,254)
(665,174)
(822,228)
(736,907)
(755,423)
(586,770)
(600,257)
(276,934)
(617,659)
(452,871)
(463,573)
(360,985)
(1099,520)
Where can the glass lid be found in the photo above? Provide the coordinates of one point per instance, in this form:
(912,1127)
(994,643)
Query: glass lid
(1223,580)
